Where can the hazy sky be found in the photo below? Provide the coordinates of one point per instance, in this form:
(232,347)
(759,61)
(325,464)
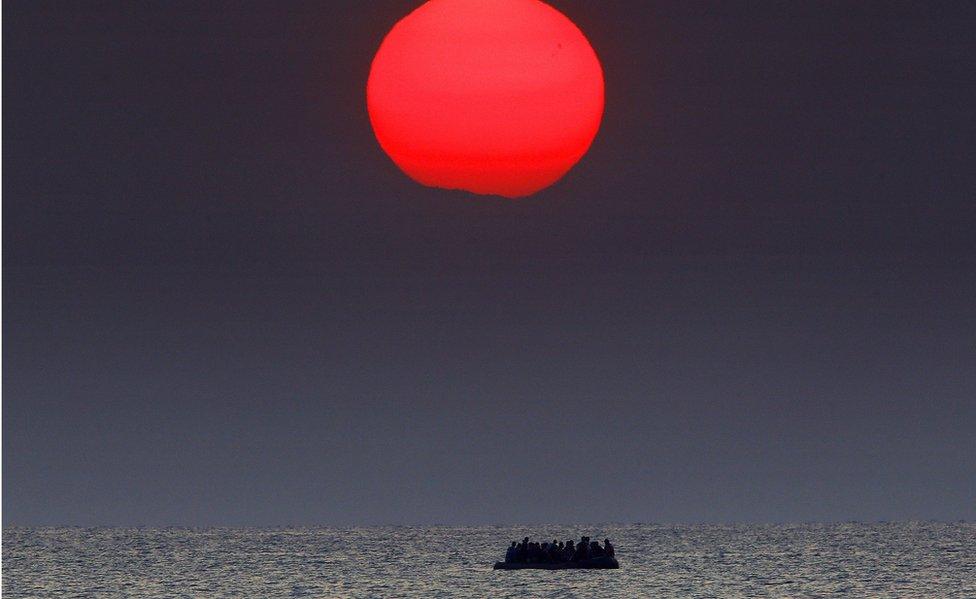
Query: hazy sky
(753,300)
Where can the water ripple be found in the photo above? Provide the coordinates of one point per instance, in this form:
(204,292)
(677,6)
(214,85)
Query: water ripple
(859,560)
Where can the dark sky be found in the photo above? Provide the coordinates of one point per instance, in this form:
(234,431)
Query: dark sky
(753,300)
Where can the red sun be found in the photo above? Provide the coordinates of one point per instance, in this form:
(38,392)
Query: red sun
(490,96)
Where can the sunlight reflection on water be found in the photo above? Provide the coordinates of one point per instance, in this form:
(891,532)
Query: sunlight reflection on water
(858,560)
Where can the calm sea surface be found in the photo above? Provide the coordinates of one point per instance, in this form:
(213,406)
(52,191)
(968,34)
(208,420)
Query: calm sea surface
(855,560)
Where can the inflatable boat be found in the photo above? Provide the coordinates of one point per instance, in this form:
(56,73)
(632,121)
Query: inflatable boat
(594,563)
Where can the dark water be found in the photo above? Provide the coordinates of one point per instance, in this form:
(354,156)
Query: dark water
(854,560)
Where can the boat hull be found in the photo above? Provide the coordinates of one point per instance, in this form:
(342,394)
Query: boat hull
(597,563)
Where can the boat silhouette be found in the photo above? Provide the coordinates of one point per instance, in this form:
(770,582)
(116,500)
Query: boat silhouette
(594,563)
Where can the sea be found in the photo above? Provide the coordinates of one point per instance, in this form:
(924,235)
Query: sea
(911,559)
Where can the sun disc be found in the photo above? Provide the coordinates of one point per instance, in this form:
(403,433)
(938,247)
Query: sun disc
(495,97)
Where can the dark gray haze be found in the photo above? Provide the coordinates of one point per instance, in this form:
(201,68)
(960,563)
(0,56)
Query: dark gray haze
(753,300)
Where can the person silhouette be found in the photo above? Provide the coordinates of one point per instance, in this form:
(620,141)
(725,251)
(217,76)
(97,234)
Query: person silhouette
(569,551)
(512,553)
(595,549)
(582,549)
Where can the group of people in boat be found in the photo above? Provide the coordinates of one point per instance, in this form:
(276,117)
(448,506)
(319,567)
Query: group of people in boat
(557,552)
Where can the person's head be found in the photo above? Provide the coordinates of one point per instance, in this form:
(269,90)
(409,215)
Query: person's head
(606,541)
(513,543)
